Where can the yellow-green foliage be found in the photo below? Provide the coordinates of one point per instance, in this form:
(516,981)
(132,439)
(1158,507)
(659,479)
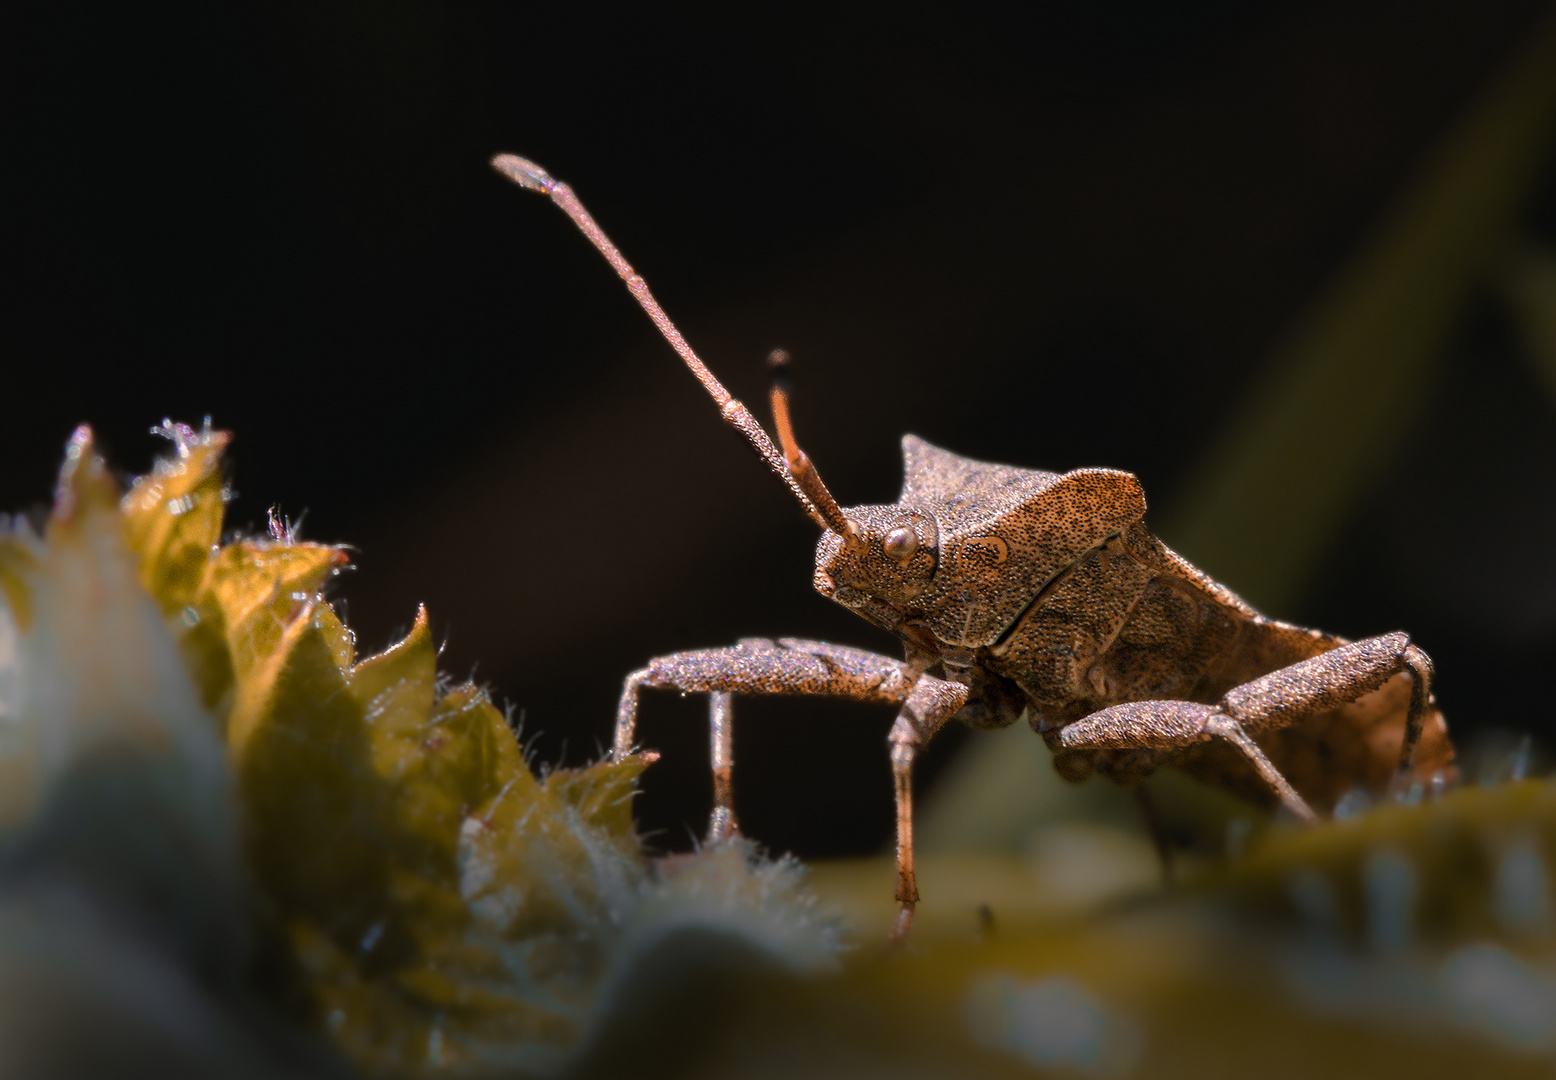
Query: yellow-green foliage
(436,892)
(442,903)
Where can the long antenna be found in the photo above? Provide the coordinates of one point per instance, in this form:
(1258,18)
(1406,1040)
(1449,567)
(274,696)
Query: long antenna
(529,175)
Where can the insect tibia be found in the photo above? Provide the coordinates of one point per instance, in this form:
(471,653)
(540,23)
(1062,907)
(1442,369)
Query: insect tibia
(523,172)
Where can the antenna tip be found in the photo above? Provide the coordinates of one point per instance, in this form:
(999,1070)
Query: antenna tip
(524,172)
(778,364)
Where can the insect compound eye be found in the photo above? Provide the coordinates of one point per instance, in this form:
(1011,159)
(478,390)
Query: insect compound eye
(900,543)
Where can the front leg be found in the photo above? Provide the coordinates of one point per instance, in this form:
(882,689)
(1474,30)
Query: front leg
(758,666)
(763,666)
(793,666)
(1279,699)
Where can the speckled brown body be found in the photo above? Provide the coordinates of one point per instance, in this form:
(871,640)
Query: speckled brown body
(1050,595)
(1133,622)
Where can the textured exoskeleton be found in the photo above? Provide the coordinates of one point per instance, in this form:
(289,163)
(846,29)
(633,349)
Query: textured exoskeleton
(1017,591)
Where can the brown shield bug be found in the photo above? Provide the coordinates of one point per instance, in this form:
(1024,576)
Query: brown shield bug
(1017,591)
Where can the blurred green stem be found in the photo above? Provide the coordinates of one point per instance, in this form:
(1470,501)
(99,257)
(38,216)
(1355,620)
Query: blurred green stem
(1337,401)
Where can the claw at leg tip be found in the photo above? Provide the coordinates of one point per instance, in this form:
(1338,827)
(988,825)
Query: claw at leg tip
(723,827)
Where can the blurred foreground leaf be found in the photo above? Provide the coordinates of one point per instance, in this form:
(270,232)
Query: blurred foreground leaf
(421,899)
(444,906)
(1410,941)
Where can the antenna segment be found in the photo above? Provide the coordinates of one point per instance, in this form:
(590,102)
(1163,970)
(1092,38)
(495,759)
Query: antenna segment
(800,467)
(531,176)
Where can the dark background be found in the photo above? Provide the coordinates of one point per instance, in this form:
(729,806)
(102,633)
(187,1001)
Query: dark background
(1060,241)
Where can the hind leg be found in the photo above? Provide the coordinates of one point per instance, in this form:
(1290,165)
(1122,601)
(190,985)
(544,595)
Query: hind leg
(1281,698)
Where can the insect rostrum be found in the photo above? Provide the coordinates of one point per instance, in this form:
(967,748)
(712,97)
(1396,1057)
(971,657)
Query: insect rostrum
(1021,592)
